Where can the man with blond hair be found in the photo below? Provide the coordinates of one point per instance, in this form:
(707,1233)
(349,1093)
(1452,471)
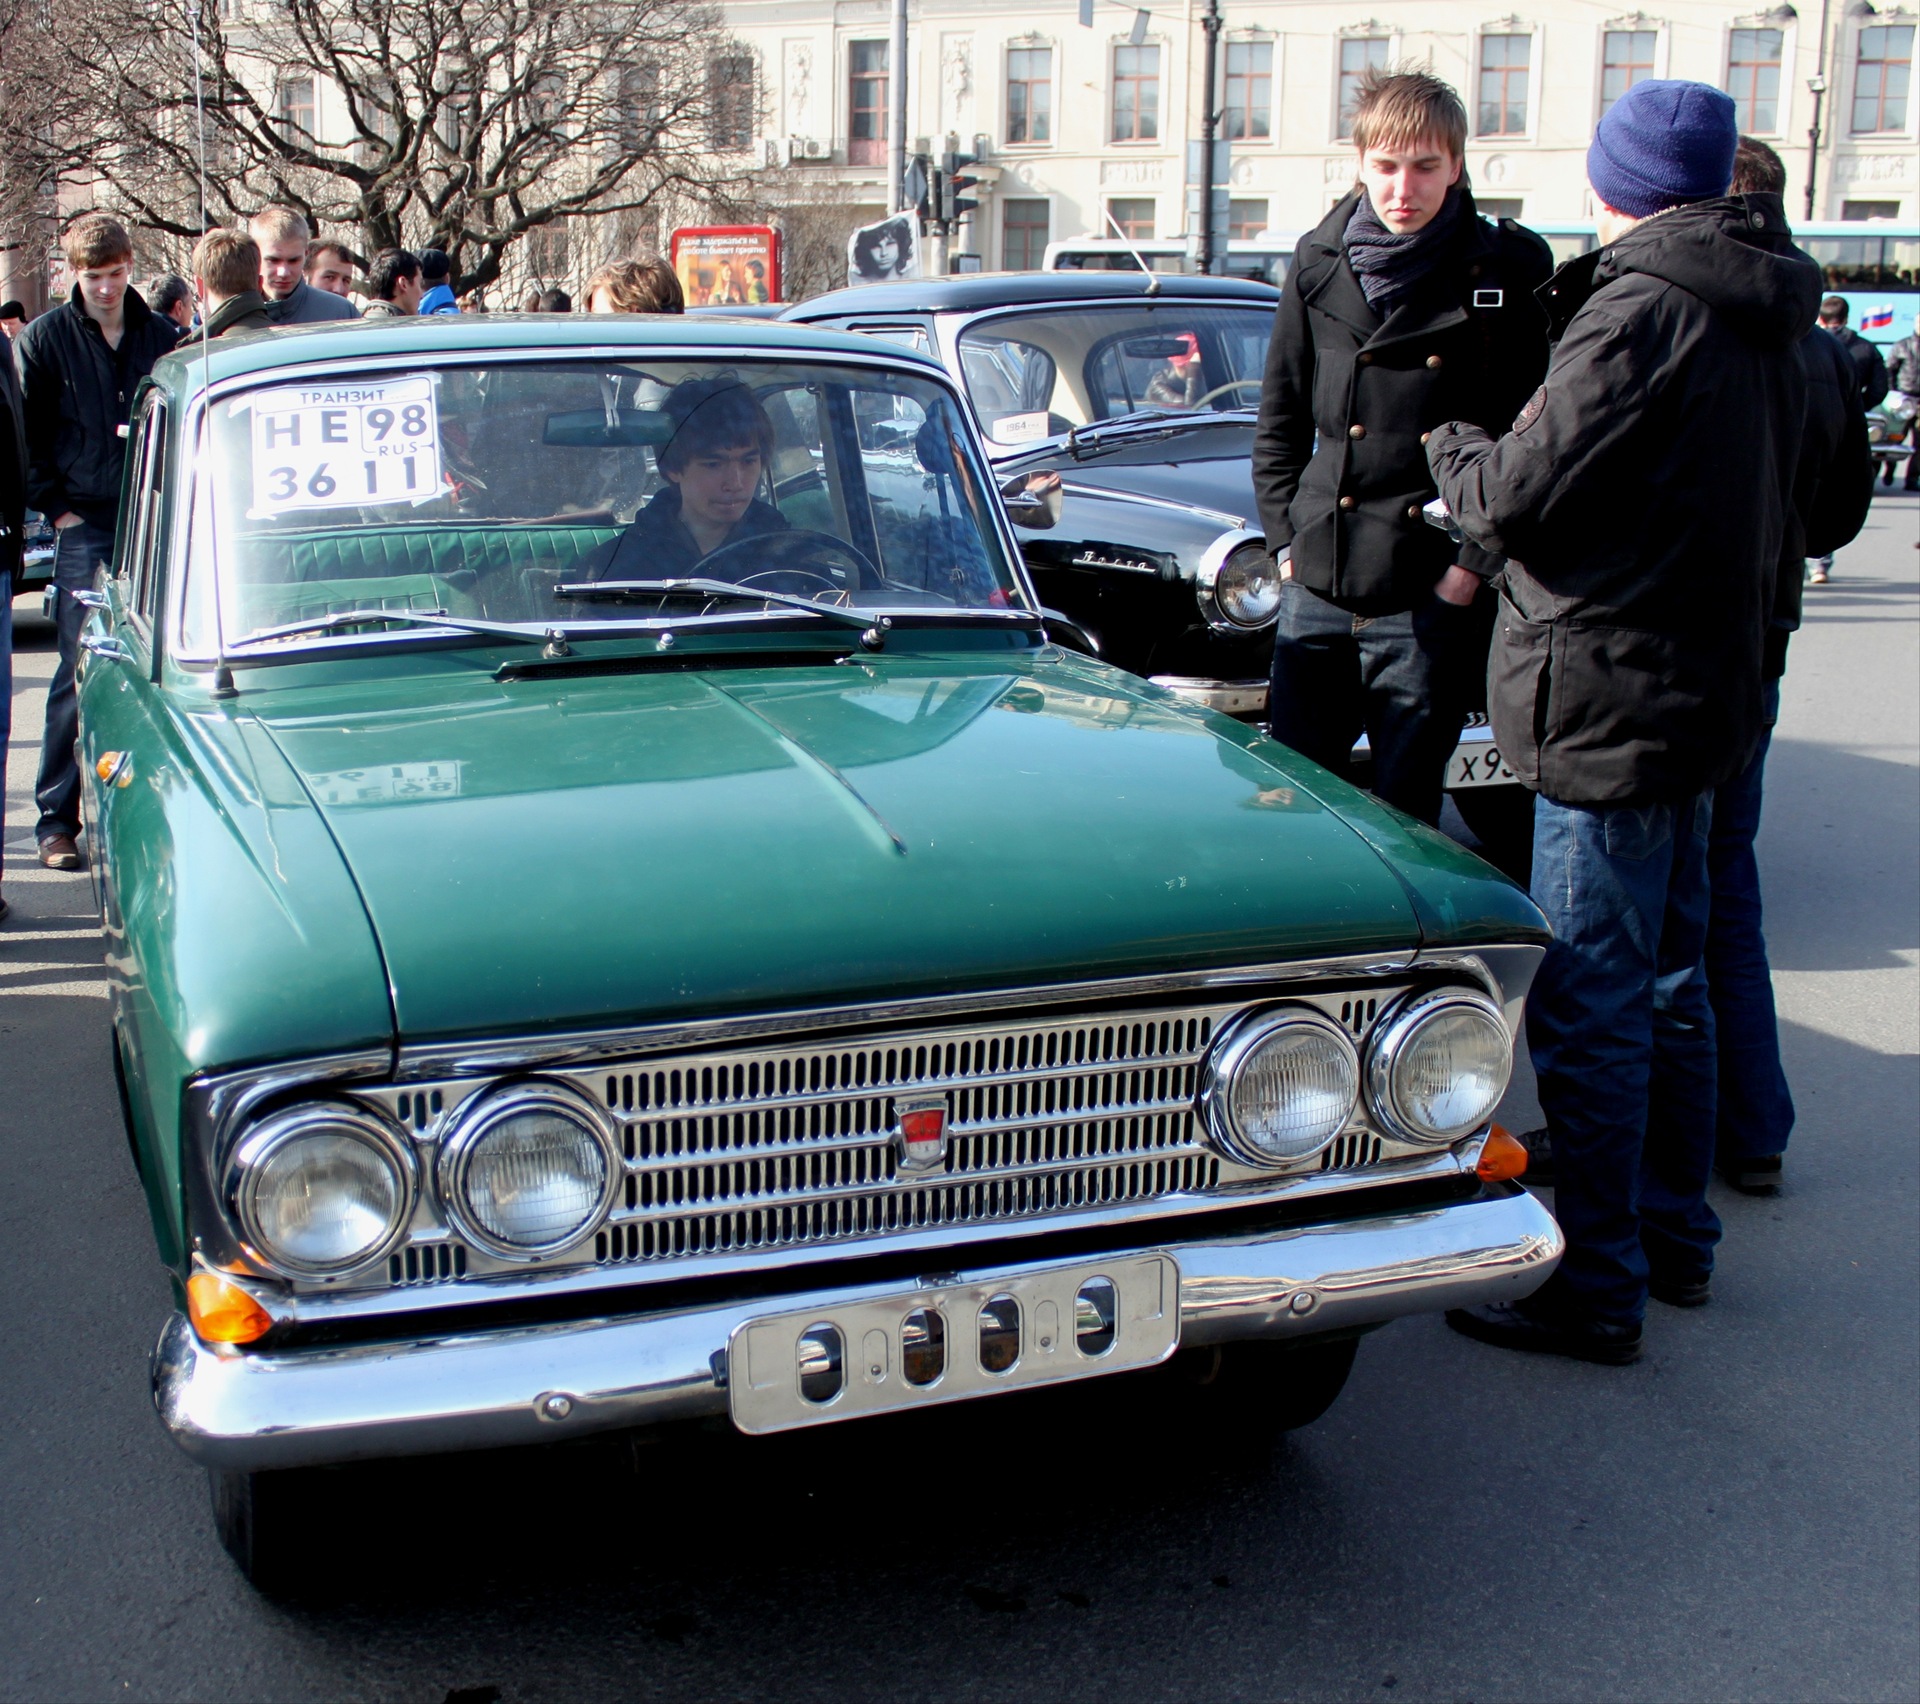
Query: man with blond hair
(226,276)
(80,364)
(1403,309)
(283,237)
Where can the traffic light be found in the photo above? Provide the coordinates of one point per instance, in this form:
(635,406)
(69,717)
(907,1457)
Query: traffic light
(959,174)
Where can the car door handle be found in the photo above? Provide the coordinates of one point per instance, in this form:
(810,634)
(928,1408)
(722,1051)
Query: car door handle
(105,645)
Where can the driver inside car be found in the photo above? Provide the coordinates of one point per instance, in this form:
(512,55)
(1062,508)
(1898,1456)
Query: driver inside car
(713,465)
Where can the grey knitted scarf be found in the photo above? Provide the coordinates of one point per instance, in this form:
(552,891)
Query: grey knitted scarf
(1389,263)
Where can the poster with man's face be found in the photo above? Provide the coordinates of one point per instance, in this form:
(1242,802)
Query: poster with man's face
(890,249)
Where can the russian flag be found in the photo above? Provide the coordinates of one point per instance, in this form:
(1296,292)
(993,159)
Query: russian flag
(1875,319)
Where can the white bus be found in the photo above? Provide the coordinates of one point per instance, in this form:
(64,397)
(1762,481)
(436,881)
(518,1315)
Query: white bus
(1265,257)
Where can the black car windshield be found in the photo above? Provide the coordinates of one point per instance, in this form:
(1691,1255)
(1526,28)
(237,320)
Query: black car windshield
(1041,373)
(541,492)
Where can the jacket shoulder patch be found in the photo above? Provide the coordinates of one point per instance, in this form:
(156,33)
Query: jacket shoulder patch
(1531,412)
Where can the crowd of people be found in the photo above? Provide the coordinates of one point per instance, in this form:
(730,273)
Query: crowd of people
(1639,454)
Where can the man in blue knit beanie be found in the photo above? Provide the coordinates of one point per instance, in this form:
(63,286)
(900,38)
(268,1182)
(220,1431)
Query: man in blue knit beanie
(1640,500)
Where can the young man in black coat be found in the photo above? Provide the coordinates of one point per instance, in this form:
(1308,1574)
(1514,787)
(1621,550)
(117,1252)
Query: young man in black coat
(1405,308)
(80,364)
(1646,488)
(13,520)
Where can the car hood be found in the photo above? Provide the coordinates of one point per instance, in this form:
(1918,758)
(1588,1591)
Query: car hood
(572,853)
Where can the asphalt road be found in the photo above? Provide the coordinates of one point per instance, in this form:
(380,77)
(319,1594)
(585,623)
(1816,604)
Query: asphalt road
(1734,1517)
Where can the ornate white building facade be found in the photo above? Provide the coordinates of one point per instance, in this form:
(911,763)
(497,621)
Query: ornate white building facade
(1086,123)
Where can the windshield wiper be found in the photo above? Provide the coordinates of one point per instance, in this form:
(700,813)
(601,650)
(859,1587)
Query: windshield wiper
(1101,435)
(416,617)
(618,591)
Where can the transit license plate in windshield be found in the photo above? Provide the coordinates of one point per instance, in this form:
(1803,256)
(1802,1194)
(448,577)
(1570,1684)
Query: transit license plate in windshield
(945,1342)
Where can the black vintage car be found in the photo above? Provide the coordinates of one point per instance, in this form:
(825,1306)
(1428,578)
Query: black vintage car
(1140,392)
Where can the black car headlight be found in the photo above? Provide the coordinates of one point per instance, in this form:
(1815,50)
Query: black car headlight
(529,1170)
(1280,1085)
(1439,1065)
(320,1190)
(1238,584)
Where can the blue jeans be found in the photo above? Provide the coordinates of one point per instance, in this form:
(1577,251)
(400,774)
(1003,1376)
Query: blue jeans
(1756,1107)
(1621,1033)
(79,554)
(1402,678)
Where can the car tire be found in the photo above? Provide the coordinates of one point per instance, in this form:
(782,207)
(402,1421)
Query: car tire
(267,1522)
(1262,1387)
(1501,819)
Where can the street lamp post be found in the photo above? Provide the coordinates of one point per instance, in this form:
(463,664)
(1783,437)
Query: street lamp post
(1209,124)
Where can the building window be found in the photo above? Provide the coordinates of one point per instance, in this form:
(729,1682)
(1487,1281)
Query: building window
(1249,89)
(730,101)
(1136,94)
(867,103)
(1133,216)
(1358,55)
(1245,219)
(294,105)
(1030,94)
(549,252)
(639,104)
(1881,78)
(1626,56)
(1023,234)
(1505,64)
(1753,79)
(1869,210)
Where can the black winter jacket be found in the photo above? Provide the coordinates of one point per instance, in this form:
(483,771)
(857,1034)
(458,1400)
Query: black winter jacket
(1641,499)
(1869,366)
(1467,342)
(77,393)
(13,471)
(1832,486)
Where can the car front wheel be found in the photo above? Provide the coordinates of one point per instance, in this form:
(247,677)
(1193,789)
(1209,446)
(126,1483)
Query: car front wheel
(268,1523)
(1263,1386)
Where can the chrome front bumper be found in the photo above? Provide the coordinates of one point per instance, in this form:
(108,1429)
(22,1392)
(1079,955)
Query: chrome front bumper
(1229,697)
(240,1410)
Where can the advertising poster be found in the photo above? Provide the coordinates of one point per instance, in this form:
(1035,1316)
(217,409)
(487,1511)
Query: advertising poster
(727,266)
(889,249)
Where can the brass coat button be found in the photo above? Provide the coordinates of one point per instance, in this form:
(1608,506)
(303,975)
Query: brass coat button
(1356,431)
(1363,359)
(1433,361)
(1424,436)
(1413,511)
(1346,502)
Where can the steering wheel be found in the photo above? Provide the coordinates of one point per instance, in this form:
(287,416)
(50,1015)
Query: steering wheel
(1230,385)
(778,544)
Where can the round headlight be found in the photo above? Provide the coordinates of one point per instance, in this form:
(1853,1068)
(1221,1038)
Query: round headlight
(320,1190)
(1247,587)
(1439,1066)
(1281,1086)
(529,1170)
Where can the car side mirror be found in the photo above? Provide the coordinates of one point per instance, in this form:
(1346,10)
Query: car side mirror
(1067,633)
(1032,500)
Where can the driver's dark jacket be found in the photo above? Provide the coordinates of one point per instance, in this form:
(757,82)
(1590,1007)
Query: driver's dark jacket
(1641,500)
(1467,342)
(658,545)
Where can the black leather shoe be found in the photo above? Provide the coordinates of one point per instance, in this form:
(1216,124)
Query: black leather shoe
(1504,1325)
(1761,1176)
(1681,1292)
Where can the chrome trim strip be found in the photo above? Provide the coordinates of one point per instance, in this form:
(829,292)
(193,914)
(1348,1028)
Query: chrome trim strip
(1229,697)
(263,1409)
(420,1060)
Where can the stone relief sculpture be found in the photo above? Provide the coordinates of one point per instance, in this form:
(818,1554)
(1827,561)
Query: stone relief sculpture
(798,76)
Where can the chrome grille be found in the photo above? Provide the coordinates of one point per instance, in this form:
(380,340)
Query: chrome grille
(777,1146)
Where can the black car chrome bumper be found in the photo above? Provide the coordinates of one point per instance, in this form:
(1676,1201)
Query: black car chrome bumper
(266,1409)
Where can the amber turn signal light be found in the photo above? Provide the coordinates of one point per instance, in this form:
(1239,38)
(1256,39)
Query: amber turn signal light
(224,1313)
(1503,1156)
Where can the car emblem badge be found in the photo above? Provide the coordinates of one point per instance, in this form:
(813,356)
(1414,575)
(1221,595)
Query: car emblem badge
(920,1132)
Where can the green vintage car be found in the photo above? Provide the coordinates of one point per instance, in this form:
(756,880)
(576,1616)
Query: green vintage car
(619,911)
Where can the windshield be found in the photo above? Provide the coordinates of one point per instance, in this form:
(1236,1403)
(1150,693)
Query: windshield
(528,492)
(1036,375)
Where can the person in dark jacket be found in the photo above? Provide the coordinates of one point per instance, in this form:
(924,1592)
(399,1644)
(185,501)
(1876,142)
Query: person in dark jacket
(1404,308)
(1832,489)
(1641,500)
(393,281)
(226,271)
(283,237)
(1869,369)
(80,365)
(13,520)
(714,466)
